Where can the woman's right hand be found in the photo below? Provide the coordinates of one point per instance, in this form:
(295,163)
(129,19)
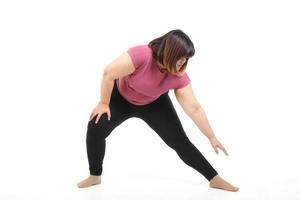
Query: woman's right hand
(99,110)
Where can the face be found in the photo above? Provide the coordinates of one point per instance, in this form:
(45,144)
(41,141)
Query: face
(179,64)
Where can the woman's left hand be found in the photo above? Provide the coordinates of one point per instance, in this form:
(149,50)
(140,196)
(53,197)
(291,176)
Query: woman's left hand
(215,143)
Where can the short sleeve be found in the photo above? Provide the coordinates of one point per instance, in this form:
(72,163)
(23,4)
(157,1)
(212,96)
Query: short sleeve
(139,54)
(183,81)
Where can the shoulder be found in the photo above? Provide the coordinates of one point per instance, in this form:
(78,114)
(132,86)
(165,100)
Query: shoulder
(140,49)
(183,81)
(140,54)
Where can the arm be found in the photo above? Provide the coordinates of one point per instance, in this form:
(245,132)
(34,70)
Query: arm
(186,98)
(119,67)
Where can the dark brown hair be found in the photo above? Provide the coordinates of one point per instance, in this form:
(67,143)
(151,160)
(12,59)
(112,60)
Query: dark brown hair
(172,46)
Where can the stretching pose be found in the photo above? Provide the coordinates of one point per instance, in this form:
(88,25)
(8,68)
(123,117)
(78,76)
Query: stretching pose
(136,84)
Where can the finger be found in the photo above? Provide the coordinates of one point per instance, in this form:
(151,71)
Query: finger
(91,116)
(216,150)
(220,146)
(97,119)
(109,115)
(224,150)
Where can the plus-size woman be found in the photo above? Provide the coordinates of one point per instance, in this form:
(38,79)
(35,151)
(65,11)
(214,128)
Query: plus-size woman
(136,84)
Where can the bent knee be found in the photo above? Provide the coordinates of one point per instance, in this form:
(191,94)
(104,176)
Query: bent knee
(103,119)
(180,144)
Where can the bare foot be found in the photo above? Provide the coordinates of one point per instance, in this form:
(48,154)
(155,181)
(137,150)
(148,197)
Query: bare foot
(219,183)
(90,181)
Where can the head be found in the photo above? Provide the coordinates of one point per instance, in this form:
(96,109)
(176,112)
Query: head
(172,51)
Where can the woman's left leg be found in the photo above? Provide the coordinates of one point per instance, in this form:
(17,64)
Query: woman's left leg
(161,116)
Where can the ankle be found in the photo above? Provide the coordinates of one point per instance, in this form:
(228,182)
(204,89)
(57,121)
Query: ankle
(95,177)
(215,178)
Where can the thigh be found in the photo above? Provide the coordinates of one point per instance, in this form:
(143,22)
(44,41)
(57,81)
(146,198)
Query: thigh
(120,110)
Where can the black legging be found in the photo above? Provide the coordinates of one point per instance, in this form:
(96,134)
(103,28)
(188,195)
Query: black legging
(160,115)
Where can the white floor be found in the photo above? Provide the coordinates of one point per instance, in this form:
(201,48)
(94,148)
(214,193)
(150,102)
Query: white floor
(145,169)
(155,187)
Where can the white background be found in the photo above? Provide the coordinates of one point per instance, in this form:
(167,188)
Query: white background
(245,74)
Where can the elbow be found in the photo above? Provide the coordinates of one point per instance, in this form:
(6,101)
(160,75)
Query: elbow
(193,109)
(196,108)
(107,75)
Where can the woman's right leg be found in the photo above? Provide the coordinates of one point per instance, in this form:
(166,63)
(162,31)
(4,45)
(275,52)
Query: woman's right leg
(161,116)
(96,133)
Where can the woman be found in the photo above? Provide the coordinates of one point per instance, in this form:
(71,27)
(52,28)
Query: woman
(136,84)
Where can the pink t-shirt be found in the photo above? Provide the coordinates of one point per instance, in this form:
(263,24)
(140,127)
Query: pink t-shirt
(147,82)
